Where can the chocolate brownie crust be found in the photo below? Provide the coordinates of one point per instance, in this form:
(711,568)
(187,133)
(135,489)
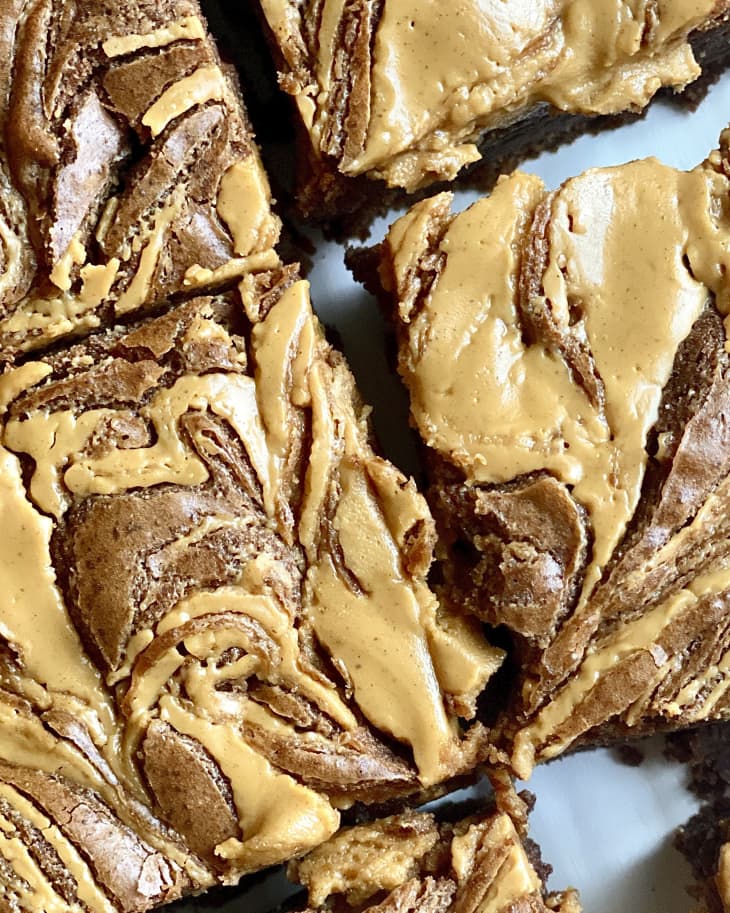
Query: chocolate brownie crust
(705,839)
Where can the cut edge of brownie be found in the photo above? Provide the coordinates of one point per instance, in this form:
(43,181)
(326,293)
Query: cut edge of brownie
(465,855)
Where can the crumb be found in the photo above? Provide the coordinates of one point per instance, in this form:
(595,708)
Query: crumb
(630,755)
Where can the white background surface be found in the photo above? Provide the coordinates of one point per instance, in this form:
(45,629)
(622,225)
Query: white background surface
(606,828)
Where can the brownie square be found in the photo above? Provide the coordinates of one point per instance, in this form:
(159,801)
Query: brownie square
(216,628)
(567,362)
(407,94)
(128,170)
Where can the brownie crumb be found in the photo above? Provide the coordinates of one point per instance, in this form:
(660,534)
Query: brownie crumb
(630,755)
(706,752)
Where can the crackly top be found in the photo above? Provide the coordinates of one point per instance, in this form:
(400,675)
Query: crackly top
(402,89)
(410,863)
(214,623)
(568,369)
(128,171)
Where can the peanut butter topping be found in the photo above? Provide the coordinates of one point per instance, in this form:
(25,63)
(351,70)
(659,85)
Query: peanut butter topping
(233,588)
(270,805)
(136,293)
(404,92)
(188,27)
(243,203)
(383,651)
(205,84)
(544,339)
(97,282)
(515,877)
(75,255)
(128,187)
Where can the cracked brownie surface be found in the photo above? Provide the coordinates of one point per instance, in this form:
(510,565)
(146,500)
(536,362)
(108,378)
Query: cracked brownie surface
(566,359)
(216,629)
(128,171)
(407,91)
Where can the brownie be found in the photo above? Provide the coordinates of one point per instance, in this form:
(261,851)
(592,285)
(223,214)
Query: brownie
(705,840)
(128,170)
(410,93)
(567,362)
(415,863)
(216,629)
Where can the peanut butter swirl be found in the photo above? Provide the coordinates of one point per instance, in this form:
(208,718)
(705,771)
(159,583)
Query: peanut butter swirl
(215,629)
(127,167)
(567,363)
(403,90)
